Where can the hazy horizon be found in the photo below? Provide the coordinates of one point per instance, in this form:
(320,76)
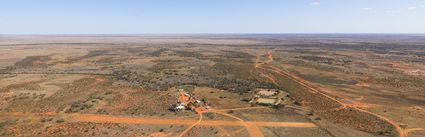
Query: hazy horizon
(212,17)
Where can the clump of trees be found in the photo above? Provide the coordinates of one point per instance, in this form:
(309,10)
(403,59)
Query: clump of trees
(240,85)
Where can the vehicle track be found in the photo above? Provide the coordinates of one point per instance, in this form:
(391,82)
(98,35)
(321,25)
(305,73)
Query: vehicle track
(191,126)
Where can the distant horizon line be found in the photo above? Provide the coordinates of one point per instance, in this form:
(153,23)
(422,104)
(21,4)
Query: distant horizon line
(158,34)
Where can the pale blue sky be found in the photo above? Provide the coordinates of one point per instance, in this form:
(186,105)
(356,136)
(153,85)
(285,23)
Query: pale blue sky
(211,16)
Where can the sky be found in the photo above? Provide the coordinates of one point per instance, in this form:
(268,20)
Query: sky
(210,16)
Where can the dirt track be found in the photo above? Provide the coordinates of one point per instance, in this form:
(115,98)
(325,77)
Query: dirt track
(191,126)
(250,126)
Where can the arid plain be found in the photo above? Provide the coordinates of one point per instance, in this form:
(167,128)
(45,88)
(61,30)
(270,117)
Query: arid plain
(213,85)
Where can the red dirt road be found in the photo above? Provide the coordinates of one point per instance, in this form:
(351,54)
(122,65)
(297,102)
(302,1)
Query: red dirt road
(250,126)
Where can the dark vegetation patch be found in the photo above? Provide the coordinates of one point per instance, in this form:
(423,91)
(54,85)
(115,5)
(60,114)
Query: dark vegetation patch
(419,54)
(22,86)
(361,46)
(224,83)
(318,59)
(401,52)
(95,53)
(33,61)
(304,51)
(25,97)
(361,121)
(233,56)
(327,60)
(326,80)
(417,60)
(137,50)
(161,84)
(91,54)
(240,85)
(237,69)
(89,105)
(397,97)
(388,52)
(401,82)
(46,119)
(157,52)
(317,66)
(166,64)
(183,53)
(84,105)
(310,99)
(242,56)
(5,123)
(126,75)
(107,60)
